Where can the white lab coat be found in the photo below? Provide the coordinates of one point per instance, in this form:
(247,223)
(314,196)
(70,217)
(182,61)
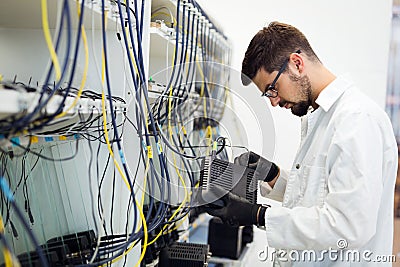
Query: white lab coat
(341,185)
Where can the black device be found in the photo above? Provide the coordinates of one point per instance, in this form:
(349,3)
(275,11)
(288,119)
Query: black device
(235,178)
(68,250)
(225,241)
(184,254)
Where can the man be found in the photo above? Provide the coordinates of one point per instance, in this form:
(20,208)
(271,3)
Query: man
(339,192)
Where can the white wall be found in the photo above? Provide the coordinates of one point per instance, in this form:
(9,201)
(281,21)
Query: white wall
(348,36)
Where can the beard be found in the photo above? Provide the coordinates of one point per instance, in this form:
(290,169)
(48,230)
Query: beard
(300,109)
(304,85)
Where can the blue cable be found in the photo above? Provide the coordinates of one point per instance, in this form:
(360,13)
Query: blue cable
(141,72)
(144,83)
(76,53)
(10,197)
(175,58)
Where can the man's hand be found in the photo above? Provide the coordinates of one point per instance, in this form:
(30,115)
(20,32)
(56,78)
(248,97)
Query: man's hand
(235,210)
(264,169)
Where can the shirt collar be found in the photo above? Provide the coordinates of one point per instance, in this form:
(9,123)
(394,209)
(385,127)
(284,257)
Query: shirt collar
(328,96)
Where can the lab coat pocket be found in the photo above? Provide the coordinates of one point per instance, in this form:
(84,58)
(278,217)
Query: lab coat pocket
(313,186)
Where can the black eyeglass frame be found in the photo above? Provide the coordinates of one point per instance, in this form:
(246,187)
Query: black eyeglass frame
(271,91)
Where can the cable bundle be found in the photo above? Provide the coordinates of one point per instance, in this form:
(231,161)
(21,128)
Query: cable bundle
(184,117)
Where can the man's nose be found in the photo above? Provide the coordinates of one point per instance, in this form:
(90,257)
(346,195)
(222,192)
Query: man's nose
(274,101)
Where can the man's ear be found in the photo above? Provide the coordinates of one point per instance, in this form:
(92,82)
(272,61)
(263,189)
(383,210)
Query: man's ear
(297,62)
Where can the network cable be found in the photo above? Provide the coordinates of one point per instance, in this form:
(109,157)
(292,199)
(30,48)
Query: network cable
(8,194)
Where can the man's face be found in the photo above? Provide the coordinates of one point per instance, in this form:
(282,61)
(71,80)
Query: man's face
(294,91)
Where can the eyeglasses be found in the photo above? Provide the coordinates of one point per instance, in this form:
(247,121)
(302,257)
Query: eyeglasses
(271,91)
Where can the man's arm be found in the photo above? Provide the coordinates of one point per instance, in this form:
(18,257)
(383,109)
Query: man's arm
(355,186)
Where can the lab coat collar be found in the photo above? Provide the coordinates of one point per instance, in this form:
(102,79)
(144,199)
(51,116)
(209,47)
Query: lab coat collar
(328,96)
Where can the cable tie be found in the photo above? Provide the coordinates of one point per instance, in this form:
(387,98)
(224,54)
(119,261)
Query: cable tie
(76,136)
(149,152)
(63,138)
(121,154)
(144,146)
(15,141)
(48,139)
(34,139)
(215,145)
(6,189)
(159,148)
(184,130)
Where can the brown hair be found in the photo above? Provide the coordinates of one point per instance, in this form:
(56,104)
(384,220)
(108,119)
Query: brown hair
(271,46)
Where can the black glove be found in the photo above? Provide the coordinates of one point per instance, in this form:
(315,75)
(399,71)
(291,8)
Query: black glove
(264,169)
(236,210)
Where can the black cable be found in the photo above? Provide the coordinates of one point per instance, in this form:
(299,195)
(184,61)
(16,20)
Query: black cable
(8,194)
(112,202)
(25,121)
(91,189)
(99,201)
(113,120)
(184,42)
(175,56)
(100,181)
(193,50)
(72,72)
(133,12)
(223,144)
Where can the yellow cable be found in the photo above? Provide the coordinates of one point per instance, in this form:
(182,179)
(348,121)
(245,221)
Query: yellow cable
(173,57)
(103,61)
(202,89)
(209,138)
(209,132)
(8,258)
(183,219)
(85,70)
(149,155)
(49,42)
(1,224)
(178,225)
(131,51)
(6,252)
(103,106)
(164,14)
(127,184)
(177,171)
(173,155)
